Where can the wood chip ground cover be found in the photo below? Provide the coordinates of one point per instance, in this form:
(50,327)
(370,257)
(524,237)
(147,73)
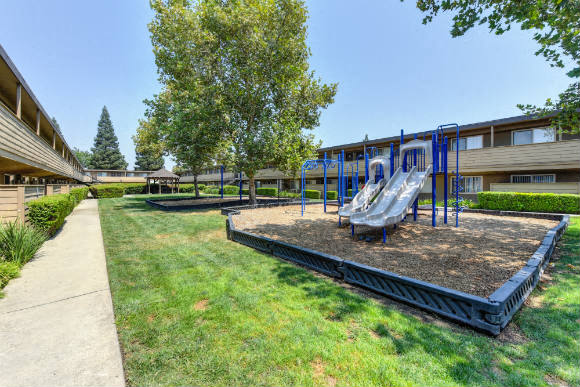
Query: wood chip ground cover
(477,258)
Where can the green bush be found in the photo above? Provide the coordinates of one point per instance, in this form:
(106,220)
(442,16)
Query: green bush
(286,194)
(190,188)
(47,213)
(8,270)
(19,242)
(231,190)
(529,202)
(332,195)
(267,191)
(135,188)
(101,191)
(79,194)
(312,194)
(245,191)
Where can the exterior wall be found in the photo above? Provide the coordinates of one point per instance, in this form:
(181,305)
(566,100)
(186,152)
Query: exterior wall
(569,188)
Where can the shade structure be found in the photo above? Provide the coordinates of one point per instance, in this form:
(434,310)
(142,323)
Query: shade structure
(163,176)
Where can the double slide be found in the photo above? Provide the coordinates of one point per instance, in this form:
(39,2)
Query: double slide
(395,199)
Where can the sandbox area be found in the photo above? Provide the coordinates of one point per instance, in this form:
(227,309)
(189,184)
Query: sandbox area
(476,258)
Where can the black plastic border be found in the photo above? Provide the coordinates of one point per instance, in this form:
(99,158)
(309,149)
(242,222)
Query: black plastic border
(489,315)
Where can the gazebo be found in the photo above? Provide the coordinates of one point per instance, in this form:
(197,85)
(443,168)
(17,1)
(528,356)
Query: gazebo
(163,176)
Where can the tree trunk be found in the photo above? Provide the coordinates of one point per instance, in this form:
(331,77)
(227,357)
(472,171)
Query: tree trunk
(195,185)
(252,190)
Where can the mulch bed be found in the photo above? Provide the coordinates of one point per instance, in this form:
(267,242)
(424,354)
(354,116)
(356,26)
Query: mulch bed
(226,201)
(477,258)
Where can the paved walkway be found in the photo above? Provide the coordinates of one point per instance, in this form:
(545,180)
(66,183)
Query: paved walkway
(56,321)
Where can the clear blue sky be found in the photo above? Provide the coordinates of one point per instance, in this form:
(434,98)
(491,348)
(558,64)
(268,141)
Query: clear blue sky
(393,72)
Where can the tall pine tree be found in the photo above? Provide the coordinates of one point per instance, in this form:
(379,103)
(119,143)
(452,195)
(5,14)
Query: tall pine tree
(106,153)
(147,161)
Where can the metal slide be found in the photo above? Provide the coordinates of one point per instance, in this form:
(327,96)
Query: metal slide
(361,200)
(397,197)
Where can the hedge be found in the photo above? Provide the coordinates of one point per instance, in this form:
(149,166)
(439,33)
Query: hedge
(332,195)
(48,212)
(135,188)
(312,194)
(231,190)
(267,191)
(102,191)
(529,202)
(79,194)
(245,191)
(190,188)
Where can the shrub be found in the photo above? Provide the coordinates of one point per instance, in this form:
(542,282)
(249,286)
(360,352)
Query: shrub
(135,188)
(231,190)
(19,242)
(245,191)
(286,194)
(8,270)
(101,191)
(190,188)
(332,195)
(312,194)
(529,202)
(267,191)
(47,213)
(79,194)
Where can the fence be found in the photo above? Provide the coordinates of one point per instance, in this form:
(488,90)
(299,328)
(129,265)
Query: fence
(13,198)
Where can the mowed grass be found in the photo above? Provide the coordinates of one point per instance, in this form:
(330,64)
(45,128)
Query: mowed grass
(195,309)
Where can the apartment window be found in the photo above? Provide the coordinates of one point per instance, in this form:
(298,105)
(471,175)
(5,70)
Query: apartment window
(101,174)
(547,178)
(116,174)
(466,143)
(533,136)
(471,184)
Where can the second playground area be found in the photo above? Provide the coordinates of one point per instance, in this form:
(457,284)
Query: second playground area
(476,258)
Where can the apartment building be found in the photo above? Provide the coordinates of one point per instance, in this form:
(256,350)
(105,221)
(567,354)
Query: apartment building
(117,176)
(515,154)
(35,158)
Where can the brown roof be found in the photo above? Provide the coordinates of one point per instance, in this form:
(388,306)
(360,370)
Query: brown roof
(163,173)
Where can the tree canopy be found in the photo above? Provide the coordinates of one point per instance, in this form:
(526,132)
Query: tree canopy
(83,156)
(105,151)
(238,70)
(556,28)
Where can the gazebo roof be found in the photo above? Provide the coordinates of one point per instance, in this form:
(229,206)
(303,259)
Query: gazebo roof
(163,174)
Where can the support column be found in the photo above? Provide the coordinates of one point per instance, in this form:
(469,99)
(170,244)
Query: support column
(19,100)
(492,144)
(38,122)
(54,139)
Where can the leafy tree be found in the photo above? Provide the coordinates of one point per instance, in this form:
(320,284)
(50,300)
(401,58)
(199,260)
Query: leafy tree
(55,123)
(244,66)
(105,152)
(83,156)
(178,126)
(556,28)
(148,160)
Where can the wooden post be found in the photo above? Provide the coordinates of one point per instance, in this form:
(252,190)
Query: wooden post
(19,100)
(54,139)
(20,207)
(492,143)
(38,122)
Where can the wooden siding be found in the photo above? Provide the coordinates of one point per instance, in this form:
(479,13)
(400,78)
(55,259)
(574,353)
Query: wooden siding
(21,144)
(569,188)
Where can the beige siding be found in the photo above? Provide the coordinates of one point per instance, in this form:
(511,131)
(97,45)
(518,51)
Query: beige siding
(8,203)
(19,143)
(570,188)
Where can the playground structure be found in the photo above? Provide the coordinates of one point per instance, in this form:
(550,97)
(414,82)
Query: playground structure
(409,168)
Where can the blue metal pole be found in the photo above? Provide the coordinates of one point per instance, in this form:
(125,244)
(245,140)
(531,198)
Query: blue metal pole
(338,188)
(241,185)
(384,235)
(445,194)
(325,190)
(342,177)
(302,191)
(457,178)
(366,167)
(433,186)
(392,166)
(346,178)
(222,179)
(404,161)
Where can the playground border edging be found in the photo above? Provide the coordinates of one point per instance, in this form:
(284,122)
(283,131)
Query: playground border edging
(489,315)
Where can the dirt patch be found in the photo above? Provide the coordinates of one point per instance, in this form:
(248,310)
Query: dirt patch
(477,258)
(201,305)
(555,381)
(512,334)
(318,372)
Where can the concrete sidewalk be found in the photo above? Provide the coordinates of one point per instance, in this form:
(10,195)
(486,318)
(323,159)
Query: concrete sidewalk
(56,321)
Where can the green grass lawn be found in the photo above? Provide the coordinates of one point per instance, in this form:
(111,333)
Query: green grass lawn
(195,309)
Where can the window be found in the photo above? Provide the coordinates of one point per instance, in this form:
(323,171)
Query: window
(471,184)
(549,178)
(533,136)
(466,143)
